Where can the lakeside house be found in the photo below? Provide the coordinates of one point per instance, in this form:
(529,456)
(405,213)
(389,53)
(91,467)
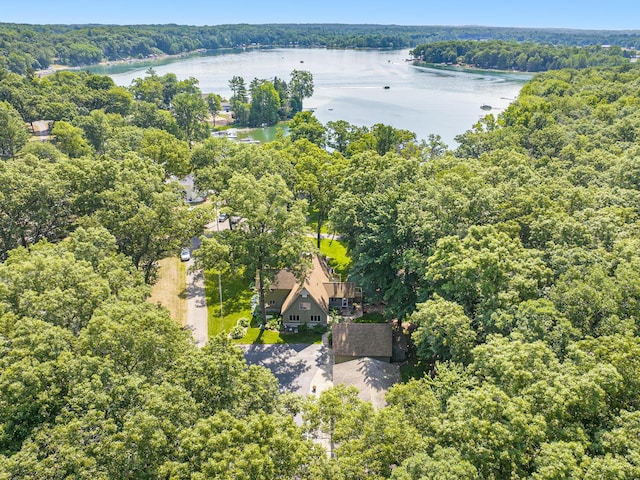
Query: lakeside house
(311,301)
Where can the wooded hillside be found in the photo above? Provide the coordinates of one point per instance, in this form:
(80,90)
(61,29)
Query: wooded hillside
(24,48)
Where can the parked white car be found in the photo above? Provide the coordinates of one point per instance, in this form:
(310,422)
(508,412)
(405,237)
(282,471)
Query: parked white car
(185,254)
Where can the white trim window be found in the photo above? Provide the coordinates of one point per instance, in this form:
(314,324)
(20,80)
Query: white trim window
(315,318)
(294,318)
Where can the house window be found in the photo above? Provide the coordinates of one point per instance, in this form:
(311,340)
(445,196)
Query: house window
(305,306)
(315,318)
(294,318)
(272,303)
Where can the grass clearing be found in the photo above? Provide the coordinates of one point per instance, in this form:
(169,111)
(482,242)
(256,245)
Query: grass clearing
(371,317)
(257,336)
(170,290)
(338,258)
(312,224)
(236,300)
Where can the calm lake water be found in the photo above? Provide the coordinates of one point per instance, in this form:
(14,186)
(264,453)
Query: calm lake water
(350,85)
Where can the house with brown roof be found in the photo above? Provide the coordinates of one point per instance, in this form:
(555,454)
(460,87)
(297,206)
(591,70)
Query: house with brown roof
(310,301)
(359,340)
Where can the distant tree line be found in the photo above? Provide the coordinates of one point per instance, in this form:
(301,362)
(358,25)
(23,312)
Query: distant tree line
(24,48)
(524,57)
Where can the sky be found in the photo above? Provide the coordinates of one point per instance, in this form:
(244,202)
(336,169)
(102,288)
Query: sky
(586,14)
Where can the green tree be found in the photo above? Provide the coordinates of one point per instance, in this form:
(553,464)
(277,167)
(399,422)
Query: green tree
(270,235)
(443,464)
(318,176)
(118,100)
(166,150)
(214,105)
(301,87)
(13,133)
(443,331)
(35,202)
(305,125)
(239,89)
(265,104)
(148,217)
(70,140)
(260,446)
(138,338)
(190,112)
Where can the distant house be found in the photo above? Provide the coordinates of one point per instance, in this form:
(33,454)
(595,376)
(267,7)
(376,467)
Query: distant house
(360,340)
(311,301)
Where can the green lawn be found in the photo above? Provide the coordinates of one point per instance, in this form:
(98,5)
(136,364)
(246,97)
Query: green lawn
(337,252)
(236,299)
(257,336)
(312,224)
(236,303)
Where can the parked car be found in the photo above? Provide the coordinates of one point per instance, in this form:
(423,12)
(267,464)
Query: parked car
(185,254)
(222,217)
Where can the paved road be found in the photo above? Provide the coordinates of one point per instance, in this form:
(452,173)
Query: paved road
(297,367)
(196,305)
(197,319)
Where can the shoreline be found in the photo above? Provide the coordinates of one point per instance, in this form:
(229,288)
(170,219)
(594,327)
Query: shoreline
(54,67)
(470,69)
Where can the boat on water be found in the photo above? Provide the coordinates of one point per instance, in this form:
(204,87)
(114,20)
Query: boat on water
(485,107)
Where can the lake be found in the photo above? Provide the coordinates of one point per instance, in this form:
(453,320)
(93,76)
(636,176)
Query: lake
(350,85)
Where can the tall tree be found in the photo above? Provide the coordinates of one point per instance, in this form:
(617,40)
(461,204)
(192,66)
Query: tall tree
(239,89)
(318,177)
(13,134)
(265,104)
(269,237)
(214,104)
(306,125)
(190,112)
(300,87)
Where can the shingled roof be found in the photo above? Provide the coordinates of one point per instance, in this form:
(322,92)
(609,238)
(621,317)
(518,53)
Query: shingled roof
(284,280)
(362,339)
(340,289)
(314,284)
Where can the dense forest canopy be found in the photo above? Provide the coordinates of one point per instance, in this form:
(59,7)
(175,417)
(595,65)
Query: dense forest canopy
(514,260)
(31,47)
(523,57)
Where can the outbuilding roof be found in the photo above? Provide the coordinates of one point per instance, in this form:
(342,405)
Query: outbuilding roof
(362,339)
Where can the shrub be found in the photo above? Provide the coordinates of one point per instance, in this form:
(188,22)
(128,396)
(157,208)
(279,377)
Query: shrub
(237,332)
(319,329)
(273,324)
(303,328)
(243,322)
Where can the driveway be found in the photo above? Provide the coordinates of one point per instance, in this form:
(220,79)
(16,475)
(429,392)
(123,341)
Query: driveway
(297,367)
(197,320)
